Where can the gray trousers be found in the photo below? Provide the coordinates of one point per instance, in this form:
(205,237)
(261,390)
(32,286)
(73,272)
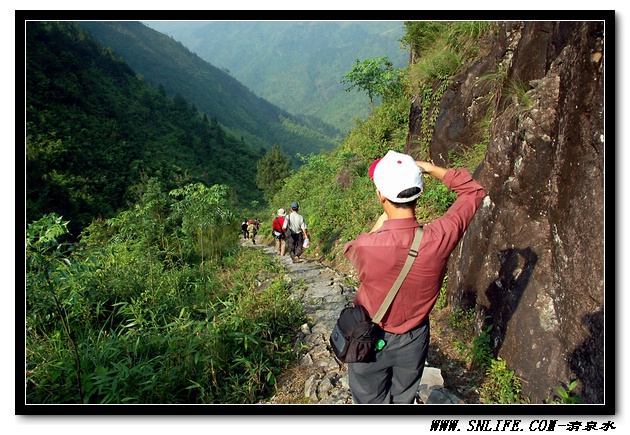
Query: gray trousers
(394,374)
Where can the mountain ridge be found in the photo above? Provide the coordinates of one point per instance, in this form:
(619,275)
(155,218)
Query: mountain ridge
(161,60)
(297,65)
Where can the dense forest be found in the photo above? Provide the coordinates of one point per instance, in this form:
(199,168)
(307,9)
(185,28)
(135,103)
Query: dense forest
(95,133)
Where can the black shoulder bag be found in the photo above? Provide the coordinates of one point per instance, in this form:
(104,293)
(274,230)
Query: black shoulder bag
(353,337)
(288,231)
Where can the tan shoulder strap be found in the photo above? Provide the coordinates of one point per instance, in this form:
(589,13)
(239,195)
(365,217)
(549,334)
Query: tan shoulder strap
(413,253)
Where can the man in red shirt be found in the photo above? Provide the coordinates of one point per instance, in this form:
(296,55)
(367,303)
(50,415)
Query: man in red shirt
(378,257)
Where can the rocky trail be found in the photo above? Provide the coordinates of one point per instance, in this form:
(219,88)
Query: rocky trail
(319,377)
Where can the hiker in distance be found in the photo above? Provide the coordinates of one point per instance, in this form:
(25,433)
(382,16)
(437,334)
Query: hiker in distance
(296,231)
(251,231)
(392,376)
(244,229)
(278,232)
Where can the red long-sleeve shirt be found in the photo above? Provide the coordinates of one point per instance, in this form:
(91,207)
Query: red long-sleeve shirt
(379,257)
(277,224)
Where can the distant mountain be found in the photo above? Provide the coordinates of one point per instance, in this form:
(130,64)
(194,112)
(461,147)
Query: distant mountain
(162,61)
(297,65)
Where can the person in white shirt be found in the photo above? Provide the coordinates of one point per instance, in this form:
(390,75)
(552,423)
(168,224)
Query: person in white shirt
(297,225)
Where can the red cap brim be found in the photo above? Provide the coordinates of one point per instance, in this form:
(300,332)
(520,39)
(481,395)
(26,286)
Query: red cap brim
(372,167)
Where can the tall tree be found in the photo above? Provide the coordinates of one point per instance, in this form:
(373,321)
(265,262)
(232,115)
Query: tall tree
(273,168)
(373,76)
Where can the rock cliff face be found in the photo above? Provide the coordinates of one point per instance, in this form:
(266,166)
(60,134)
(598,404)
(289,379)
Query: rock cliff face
(533,257)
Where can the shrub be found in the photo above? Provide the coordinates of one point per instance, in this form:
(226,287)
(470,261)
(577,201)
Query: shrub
(501,385)
(125,317)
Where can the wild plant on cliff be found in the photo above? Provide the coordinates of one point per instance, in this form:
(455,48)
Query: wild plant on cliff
(566,395)
(501,385)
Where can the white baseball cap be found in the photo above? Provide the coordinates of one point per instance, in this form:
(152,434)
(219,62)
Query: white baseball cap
(394,173)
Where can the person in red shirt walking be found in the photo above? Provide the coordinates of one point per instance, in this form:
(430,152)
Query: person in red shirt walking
(378,256)
(279,233)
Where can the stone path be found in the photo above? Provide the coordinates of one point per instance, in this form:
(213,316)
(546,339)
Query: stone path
(325,294)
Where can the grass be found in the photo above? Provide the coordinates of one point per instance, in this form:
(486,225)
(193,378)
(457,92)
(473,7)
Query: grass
(187,336)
